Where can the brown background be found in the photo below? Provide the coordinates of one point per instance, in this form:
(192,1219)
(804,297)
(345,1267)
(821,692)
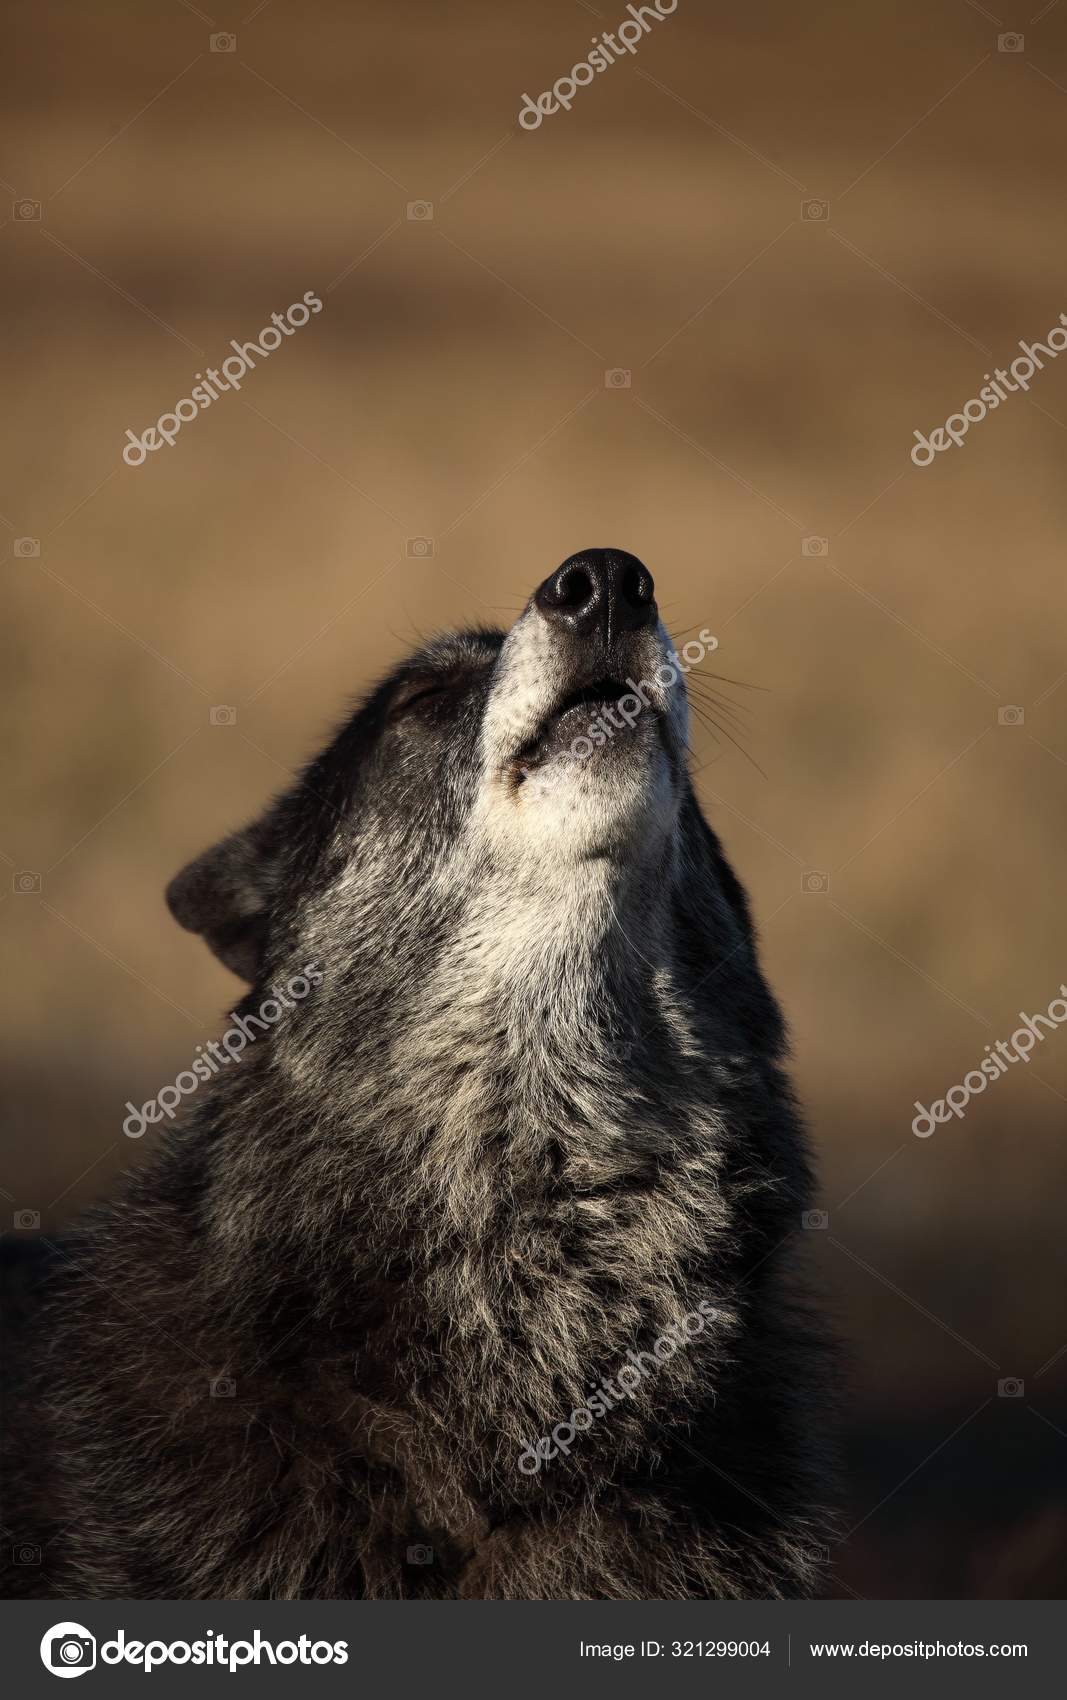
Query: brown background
(454,389)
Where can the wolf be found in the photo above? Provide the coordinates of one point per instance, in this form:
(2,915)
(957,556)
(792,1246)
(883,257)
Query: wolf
(473,1277)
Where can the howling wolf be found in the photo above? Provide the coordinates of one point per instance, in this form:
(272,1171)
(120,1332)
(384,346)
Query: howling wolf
(469,1277)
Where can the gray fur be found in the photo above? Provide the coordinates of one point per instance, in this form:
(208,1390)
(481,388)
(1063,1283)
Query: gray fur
(532,1115)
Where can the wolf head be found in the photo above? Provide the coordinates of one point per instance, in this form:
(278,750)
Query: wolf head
(505,813)
(550,758)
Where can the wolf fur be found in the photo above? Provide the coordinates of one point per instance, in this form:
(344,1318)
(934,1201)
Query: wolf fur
(532,1116)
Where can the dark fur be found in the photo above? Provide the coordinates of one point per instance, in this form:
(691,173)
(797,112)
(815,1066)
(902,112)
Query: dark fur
(427,1212)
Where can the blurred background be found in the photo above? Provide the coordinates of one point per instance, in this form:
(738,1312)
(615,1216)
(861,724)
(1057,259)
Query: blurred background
(699,317)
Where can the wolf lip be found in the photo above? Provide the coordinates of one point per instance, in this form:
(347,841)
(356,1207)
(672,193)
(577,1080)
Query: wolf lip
(571,716)
(599,694)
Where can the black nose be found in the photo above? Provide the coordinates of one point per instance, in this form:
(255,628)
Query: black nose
(599,591)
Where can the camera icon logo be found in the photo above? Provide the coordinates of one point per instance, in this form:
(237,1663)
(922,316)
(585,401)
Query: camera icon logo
(814,883)
(223,714)
(419,548)
(420,1555)
(1011,715)
(617,378)
(1011,42)
(68,1649)
(1010,1388)
(815,211)
(223,42)
(26,1554)
(26,883)
(812,1219)
(224,1387)
(27,1221)
(420,212)
(27,548)
(27,212)
(813,546)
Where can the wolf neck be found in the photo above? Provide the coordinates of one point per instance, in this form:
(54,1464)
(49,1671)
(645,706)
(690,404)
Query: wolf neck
(522,1050)
(548,974)
(511,1071)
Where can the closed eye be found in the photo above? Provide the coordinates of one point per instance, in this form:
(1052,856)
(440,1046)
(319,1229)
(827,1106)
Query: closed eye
(413,691)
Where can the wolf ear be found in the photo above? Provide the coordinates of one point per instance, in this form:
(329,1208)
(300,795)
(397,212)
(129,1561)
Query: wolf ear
(225,895)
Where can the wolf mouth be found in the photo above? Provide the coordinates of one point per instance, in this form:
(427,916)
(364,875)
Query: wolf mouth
(574,716)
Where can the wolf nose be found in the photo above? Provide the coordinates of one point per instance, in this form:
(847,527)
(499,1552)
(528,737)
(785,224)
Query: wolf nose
(599,590)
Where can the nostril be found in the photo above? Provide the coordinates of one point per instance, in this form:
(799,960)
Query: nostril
(571,596)
(637,586)
(574,589)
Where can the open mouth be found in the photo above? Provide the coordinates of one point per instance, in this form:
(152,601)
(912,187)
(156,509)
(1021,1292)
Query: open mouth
(591,706)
